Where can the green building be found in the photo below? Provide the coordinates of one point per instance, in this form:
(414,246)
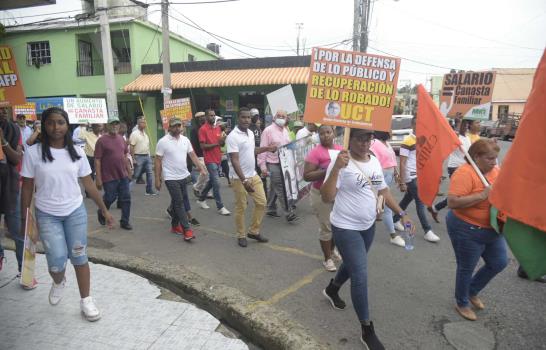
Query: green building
(64,59)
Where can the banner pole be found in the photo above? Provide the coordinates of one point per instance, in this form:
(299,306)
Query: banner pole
(346,135)
(471,161)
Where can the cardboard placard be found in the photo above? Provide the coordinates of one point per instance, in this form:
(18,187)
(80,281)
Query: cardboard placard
(282,99)
(351,89)
(11,87)
(86,110)
(28,110)
(29,252)
(467,95)
(180,108)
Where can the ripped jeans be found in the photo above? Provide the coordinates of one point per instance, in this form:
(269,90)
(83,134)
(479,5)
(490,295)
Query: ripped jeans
(63,237)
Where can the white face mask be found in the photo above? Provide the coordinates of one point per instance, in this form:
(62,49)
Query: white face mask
(280,122)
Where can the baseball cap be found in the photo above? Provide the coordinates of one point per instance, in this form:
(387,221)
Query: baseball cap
(298,123)
(113,120)
(254,111)
(175,121)
(199,114)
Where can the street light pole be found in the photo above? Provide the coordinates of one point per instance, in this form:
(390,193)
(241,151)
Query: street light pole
(166,55)
(107,60)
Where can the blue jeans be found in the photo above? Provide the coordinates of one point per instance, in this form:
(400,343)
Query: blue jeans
(178,192)
(214,184)
(118,189)
(13,222)
(471,242)
(144,164)
(353,247)
(413,194)
(62,237)
(442,204)
(388,175)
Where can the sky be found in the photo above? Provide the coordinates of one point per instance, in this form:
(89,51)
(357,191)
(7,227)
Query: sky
(431,36)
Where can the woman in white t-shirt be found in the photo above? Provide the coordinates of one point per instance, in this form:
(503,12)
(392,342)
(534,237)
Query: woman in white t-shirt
(351,181)
(53,167)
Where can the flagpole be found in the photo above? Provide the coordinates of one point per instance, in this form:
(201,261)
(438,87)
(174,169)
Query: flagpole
(471,161)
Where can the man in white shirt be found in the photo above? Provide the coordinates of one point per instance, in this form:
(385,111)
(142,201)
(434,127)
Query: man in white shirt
(241,149)
(139,143)
(26,131)
(170,165)
(309,129)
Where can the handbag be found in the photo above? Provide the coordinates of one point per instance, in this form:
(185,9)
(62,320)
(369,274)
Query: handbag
(379,199)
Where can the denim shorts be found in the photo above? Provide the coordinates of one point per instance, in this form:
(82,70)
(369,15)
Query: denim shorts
(63,237)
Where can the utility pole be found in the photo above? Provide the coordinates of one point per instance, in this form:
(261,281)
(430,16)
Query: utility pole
(111,93)
(356,24)
(166,55)
(364,19)
(299,26)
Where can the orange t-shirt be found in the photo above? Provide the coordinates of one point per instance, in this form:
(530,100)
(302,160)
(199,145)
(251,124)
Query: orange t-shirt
(465,182)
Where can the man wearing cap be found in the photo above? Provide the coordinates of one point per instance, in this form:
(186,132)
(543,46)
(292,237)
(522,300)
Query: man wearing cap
(140,152)
(211,141)
(275,135)
(170,165)
(309,130)
(202,179)
(113,172)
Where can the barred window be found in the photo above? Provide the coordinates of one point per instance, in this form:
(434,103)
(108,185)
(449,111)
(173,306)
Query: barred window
(191,58)
(38,52)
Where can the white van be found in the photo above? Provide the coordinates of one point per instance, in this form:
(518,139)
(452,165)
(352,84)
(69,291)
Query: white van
(401,127)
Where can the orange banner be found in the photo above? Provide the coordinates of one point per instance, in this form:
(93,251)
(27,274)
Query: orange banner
(11,87)
(467,94)
(435,142)
(351,89)
(28,110)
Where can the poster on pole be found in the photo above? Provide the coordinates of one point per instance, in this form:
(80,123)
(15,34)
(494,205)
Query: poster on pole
(86,110)
(351,89)
(282,99)
(11,86)
(467,95)
(28,110)
(180,108)
(29,251)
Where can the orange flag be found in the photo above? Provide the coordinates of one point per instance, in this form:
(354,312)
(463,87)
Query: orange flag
(435,141)
(520,189)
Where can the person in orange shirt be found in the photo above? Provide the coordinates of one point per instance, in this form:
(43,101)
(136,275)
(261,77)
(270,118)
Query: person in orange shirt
(468,226)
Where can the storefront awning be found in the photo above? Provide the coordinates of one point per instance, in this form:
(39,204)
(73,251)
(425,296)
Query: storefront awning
(221,78)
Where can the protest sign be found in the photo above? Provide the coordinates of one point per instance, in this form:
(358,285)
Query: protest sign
(284,99)
(86,110)
(11,87)
(28,110)
(180,108)
(43,103)
(467,95)
(29,252)
(351,89)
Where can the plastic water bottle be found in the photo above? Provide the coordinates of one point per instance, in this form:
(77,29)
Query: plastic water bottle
(408,237)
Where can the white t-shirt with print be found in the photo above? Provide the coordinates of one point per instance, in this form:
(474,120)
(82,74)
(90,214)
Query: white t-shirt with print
(243,143)
(174,152)
(456,158)
(57,190)
(355,204)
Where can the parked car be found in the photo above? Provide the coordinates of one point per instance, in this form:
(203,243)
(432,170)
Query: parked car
(504,128)
(485,125)
(401,127)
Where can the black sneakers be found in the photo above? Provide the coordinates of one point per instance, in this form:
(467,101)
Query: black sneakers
(257,237)
(331,293)
(102,219)
(292,218)
(369,339)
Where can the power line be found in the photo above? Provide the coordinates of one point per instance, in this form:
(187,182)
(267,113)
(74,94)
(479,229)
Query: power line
(44,14)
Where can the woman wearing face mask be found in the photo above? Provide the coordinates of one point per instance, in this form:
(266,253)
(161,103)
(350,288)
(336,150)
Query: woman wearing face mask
(54,167)
(469,228)
(316,163)
(351,181)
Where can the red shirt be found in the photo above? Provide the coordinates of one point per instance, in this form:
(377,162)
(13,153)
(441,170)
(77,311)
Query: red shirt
(209,134)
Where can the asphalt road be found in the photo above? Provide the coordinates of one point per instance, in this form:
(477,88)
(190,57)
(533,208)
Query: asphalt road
(410,293)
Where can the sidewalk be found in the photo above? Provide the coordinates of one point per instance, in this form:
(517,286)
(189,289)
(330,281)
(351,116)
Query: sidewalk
(132,315)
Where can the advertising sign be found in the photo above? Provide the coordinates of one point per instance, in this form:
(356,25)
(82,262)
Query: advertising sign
(467,95)
(11,87)
(86,110)
(180,108)
(351,89)
(28,110)
(43,103)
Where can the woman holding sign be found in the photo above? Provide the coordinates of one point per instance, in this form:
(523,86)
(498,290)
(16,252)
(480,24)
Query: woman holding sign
(354,180)
(53,167)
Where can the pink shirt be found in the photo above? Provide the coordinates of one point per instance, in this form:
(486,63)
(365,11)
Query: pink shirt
(321,157)
(385,154)
(273,135)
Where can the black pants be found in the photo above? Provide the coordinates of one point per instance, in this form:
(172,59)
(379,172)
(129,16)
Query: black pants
(442,204)
(177,190)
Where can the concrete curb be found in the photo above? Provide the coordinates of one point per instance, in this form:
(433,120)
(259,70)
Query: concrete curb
(263,325)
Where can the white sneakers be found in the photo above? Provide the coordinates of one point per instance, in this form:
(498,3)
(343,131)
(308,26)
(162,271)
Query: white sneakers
(398,241)
(203,204)
(336,256)
(56,292)
(223,211)
(398,226)
(89,309)
(431,237)
(329,265)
